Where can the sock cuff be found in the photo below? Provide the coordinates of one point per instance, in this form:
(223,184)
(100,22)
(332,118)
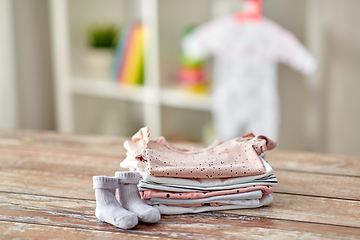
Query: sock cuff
(105,182)
(128,177)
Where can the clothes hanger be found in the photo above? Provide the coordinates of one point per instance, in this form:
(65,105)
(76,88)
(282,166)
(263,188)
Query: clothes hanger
(252,12)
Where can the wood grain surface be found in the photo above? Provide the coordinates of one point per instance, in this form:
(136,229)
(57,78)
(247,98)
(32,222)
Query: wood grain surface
(46,193)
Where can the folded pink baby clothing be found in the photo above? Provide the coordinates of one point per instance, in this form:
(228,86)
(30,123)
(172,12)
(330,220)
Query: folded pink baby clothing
(213,204)
(225,175)
(234,158)
(147,194)
(248,199)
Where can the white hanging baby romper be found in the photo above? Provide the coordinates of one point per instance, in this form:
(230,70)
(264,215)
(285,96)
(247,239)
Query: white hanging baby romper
(244,95)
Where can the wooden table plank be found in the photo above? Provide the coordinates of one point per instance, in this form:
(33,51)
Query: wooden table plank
(309,209)
(60,162)
(318,185)
(314,162)
(47,183)
(15,230)
(63,142)
(78,214)
(19,230)
(286,207)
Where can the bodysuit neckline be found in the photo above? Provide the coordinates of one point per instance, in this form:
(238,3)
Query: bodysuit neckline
(188,150)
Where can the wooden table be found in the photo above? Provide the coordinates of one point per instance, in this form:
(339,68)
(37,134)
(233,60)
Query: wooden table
(46,193)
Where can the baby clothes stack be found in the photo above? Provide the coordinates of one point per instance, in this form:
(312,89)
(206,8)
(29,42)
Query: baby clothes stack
(225,175)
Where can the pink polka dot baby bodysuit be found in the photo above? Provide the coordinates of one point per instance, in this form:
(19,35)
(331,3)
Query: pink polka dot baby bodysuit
(234,158)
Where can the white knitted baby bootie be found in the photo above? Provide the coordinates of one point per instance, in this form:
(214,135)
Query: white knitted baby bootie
(130,198)
(108,208)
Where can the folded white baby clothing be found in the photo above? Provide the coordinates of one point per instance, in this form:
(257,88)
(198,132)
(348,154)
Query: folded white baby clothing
(268,181)
(170,210)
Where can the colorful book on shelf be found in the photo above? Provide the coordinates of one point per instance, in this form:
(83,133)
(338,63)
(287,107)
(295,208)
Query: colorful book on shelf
(119,52)
(125,52)
(133,64)
(122,50)
(129,68)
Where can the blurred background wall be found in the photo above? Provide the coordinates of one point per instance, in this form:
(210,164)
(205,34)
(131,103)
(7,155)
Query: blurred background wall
(33,64)
(319,113)
(342,76)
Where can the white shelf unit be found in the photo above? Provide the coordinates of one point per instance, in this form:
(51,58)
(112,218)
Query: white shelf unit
(168,109)
(152,96)
(168,97)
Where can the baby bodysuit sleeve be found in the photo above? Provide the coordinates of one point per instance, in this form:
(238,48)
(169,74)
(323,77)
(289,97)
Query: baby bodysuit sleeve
(204,40)
(293,53)
(138,144)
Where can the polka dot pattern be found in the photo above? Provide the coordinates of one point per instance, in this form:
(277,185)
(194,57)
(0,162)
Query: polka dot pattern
(234,158)
(212,204)
(147,194)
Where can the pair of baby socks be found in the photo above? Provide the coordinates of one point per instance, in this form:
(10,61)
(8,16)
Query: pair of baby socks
(130,208)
